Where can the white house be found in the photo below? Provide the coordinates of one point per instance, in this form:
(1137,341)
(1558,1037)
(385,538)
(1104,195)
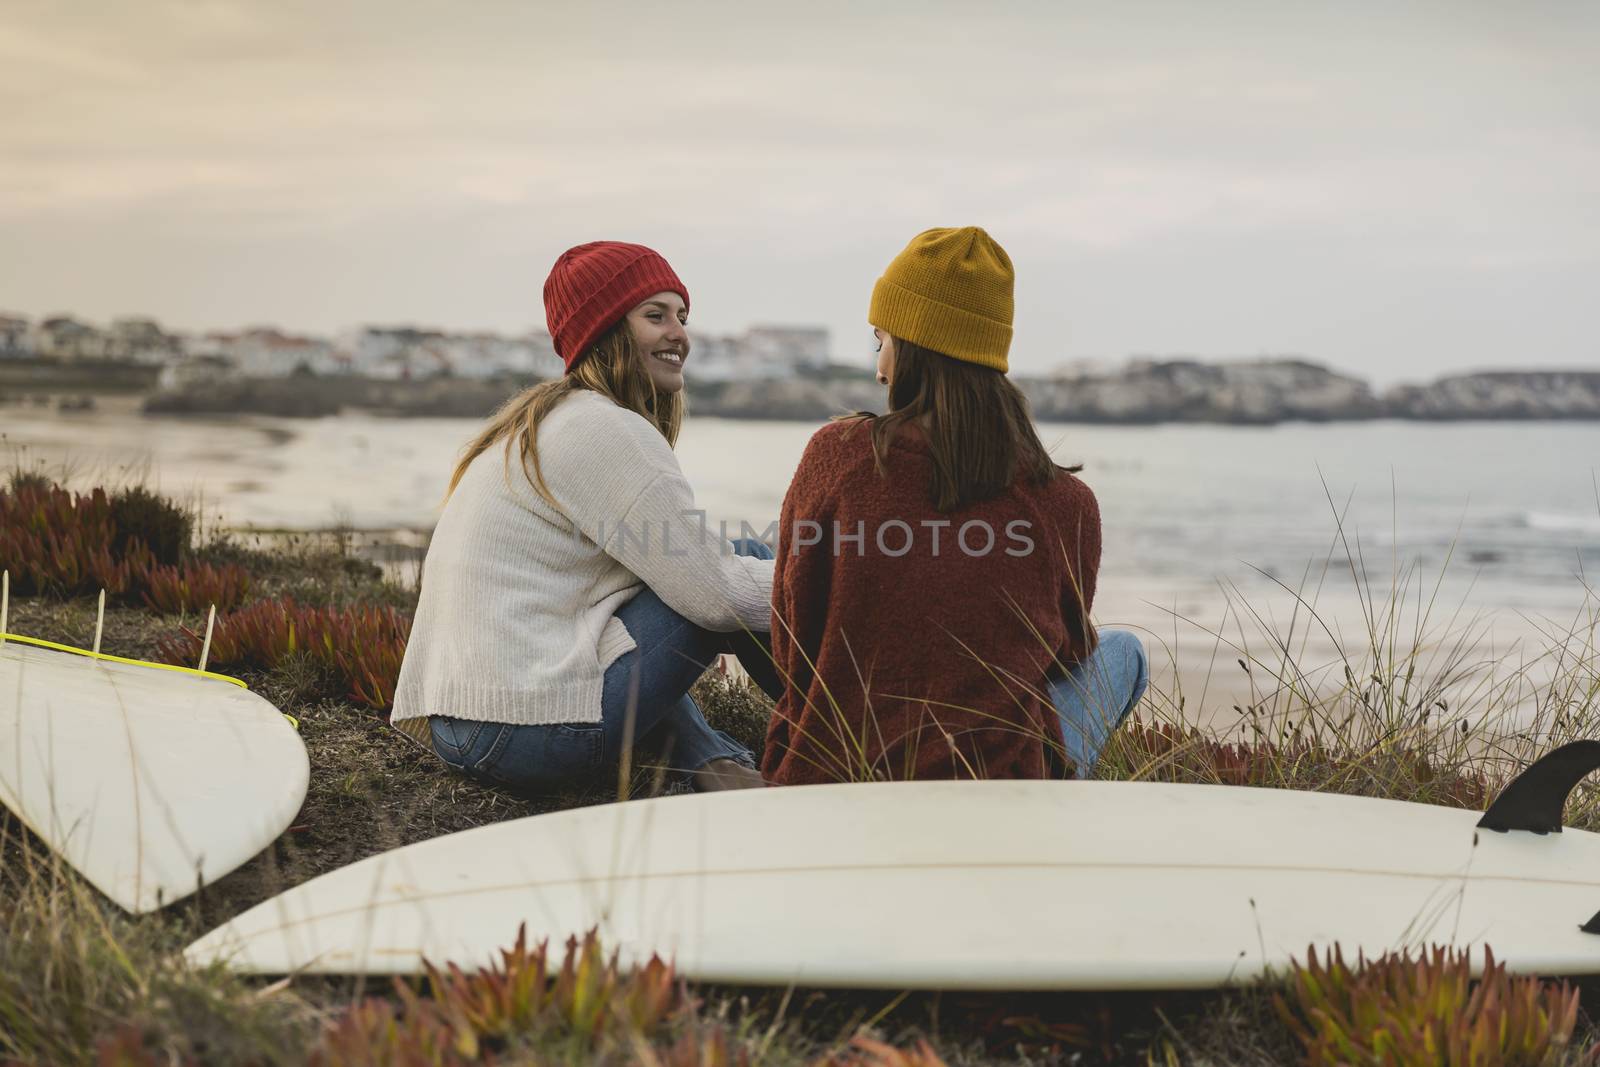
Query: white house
(267,352)
(140,340)
(489,355)
(65,338)
(761,352)
(801,348)
(715,359)
(16,337)
(407,352)
(394,352)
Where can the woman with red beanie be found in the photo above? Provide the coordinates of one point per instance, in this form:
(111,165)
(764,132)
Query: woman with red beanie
(569,597)
(935,569)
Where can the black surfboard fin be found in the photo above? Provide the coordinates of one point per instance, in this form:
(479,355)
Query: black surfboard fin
(1535,798)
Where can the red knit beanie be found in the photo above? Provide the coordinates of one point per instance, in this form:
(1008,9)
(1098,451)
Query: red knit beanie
(593,286)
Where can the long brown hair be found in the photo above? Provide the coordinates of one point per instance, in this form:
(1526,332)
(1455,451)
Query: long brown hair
(613,369)
(976,422)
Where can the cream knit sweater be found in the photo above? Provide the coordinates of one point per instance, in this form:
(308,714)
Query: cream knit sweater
(517,619)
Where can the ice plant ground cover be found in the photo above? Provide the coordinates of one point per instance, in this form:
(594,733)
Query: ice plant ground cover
(360,644)
(130,543)
(1417,710)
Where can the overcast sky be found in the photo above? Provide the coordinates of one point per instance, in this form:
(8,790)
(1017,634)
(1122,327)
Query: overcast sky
(1395,190)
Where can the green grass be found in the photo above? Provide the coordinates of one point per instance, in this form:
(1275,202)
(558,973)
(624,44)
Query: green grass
(1415,708)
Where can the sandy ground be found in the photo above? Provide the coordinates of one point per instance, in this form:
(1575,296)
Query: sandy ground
(1197,633)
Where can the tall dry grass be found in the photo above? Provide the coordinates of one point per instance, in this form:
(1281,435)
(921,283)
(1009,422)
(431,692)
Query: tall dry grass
(1415,704)
(78,978)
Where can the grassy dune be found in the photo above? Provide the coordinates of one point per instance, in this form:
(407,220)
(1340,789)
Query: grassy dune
(1417,712)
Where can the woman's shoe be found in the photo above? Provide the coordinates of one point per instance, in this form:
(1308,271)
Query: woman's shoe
(720,774)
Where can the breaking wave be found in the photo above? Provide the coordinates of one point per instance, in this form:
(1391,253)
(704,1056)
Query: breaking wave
(1561,522)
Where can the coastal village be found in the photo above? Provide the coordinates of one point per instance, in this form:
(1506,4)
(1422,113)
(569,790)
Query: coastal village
(387,353)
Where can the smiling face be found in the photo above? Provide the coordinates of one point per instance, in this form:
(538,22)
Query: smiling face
(660,334)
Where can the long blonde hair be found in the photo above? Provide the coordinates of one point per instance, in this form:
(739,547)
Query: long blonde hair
(611,368)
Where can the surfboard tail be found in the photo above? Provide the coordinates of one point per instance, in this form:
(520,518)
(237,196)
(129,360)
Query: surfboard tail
(1536,798)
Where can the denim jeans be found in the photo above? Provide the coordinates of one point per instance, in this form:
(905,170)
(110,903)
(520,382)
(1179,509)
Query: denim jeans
(1097,694)
(646,691)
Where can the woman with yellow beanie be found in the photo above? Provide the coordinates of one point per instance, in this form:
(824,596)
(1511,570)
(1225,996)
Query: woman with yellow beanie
(935,568)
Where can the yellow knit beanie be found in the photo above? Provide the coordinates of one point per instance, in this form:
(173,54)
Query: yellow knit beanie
(950,291)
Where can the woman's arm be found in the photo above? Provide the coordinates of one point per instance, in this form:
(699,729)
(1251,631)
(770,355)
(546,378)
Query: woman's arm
(665,540)
(618,481)
(800,596)
(1080,549)
(800,589)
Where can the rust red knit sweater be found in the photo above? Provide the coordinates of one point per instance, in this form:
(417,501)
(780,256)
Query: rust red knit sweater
(922,665)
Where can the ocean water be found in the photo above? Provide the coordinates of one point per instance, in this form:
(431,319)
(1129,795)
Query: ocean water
(1218,540)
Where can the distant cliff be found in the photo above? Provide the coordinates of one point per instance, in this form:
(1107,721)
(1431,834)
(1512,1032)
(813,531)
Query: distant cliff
(1250,392)
(1147,391)
(792,398)
(1500,395)
(1247,392)
(309,396)
(1253,392)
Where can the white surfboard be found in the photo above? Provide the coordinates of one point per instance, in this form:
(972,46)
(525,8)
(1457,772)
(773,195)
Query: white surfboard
(971,885)
(148,782)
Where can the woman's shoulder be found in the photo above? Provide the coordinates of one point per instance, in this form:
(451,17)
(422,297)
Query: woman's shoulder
(584,420)
(839,441)
(835,449)
(586,405)
(1070,494)
(840,432)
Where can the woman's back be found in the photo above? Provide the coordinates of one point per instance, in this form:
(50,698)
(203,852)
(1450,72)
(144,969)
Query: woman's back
(517,618)
(918,643)
(517,613)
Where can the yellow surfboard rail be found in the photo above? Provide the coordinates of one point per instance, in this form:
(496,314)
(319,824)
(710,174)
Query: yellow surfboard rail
(118,659)
(90,654)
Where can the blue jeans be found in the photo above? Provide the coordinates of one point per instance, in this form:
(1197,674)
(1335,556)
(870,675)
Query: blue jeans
(1097,694)
(646,694)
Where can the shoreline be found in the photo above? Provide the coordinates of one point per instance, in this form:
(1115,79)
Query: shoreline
(375,481)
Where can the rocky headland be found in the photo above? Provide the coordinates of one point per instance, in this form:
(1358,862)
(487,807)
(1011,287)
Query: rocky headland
(1569,394)
(1147,391)
(310,396)
(1257,392)
(1254,392)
